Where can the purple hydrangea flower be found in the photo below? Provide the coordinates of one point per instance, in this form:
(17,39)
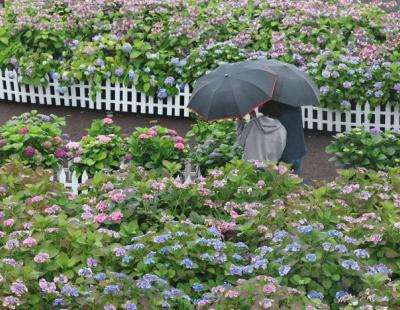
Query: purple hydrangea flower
(100,62)
(378,94)
(119,72)
(127,48)
(91,69)
(397,88)
(376,131)
(131,75)
(169,81)
(350,264)
(284,270)
(315,295)
(347,84)
(324,90)
(345,104)
(311,257)
(162,93)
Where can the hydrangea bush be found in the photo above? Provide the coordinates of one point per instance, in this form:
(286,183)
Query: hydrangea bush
(215,144)
(33,139)
(371,149)
(350,48)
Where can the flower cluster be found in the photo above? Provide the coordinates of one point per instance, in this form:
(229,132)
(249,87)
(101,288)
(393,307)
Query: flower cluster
(350,48)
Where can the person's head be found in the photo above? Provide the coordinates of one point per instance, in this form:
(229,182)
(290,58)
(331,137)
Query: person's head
(271,109)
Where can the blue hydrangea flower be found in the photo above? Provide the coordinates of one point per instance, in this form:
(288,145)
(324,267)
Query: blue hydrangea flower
(334,233)
(315,295)
(293,247)
(340,295)
(284,270)
(197,287)
(169,81)
(306,229)
(162,93)
(138,246)
(176,247)
(85,272)
(235,270)
(129,306)
(327,246)
(111,289)
(127,259)
(187,263)
(238,257)
(127,48)
(180,234)
(341,248)
(100,276)
(143,284)
(361,253)
(91,69)
(131,75)
(119,72)
(345,104)
(162,238)
(100,62)
(174,61)
(350,264)
(311,257)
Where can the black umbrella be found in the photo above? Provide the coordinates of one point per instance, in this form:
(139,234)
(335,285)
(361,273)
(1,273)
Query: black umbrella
(294,87)
(233,90)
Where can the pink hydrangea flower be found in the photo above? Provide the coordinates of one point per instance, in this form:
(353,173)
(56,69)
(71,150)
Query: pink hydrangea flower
(172,132)
(11,302)
(232,294)
(29,242)
(47,287)
(178,139)
(116,216)
(104,138)
(107,121)
(9,222)
(117,196)
(29,151)
(72,145)
(158,186)
(100,218)
(152,133)
(41,258)
(179,146)
(37,198)
(269,288)
(47,144)
(266,303)
(23,131)
(144,136)
(107,187)
(18,288)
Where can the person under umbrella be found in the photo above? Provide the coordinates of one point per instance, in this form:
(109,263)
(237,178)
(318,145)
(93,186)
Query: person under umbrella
(235,90)
(263,137)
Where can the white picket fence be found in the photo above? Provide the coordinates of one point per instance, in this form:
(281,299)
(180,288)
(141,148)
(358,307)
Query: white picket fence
(120,98)
(67,177)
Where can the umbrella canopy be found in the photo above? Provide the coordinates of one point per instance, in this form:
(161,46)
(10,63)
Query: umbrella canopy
(233,90)
(294,87)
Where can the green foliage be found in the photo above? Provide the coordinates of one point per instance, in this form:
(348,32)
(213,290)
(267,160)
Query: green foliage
(368,149)
(33,139)
(215,144)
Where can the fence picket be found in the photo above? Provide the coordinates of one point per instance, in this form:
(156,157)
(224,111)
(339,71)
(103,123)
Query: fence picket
(385,117)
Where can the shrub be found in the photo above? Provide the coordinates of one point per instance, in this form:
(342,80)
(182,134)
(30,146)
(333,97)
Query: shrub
(215,144)
(261,292)
(157,147)
(369,149)
(350,49)
(33,139)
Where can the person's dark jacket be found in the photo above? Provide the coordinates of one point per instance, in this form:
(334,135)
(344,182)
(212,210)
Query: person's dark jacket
(292,119)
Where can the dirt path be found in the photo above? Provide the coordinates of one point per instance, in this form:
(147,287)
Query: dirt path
(315,164)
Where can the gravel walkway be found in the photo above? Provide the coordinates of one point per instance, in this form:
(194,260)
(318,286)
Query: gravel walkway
(315,164)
